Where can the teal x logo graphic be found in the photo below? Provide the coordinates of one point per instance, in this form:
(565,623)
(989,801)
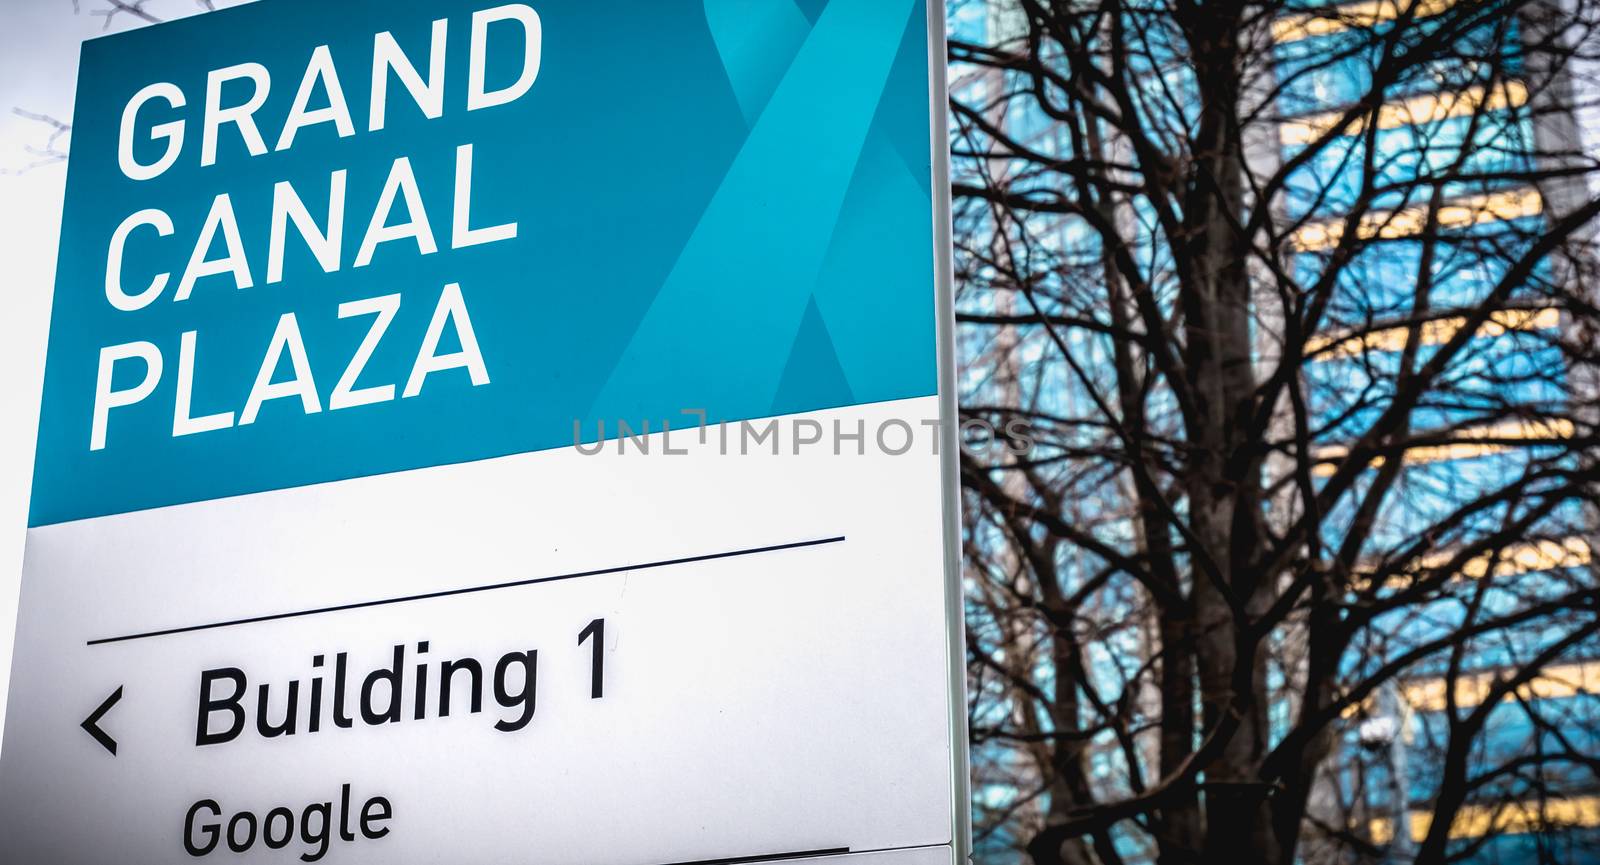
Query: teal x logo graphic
(823,202)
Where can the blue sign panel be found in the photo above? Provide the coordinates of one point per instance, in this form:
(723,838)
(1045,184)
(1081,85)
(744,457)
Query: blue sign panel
(302,246)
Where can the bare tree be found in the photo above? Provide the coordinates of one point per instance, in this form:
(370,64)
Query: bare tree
(55,132)
(139,10)
(1298,301)
(51,151)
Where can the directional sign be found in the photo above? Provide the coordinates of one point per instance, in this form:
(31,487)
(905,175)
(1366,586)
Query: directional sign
(482,432)
(91,724)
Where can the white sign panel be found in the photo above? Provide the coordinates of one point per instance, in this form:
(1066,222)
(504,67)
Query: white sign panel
(497,433)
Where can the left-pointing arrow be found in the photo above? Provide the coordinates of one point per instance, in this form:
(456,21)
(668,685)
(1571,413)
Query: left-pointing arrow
(90,724)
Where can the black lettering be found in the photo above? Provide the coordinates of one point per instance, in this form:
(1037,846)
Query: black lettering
(209,705)
(447,673)
(421,710)
(211,831)
(340,719)
(248,820)
(344,814)
(290,712)
(314,723)
(597,657)
(394,679)
(376,810)
(529,661)
(318,839)
(277,841)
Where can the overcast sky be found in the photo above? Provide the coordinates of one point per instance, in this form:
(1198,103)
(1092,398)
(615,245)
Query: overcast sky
(39,42)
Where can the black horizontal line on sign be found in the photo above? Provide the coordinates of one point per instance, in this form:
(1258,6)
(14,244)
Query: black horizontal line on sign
(445,593)
(770,857)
